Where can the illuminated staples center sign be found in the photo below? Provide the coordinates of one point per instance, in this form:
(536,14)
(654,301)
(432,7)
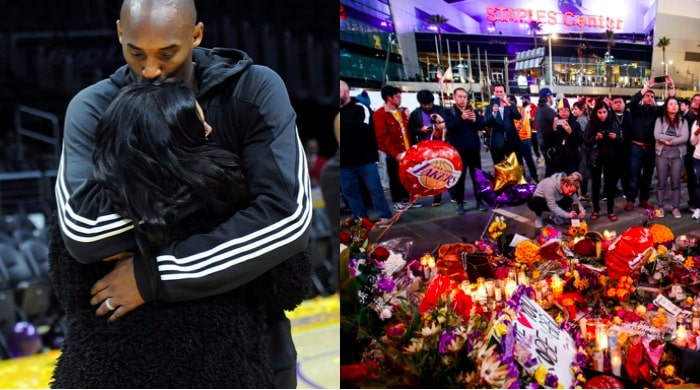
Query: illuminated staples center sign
(569,18)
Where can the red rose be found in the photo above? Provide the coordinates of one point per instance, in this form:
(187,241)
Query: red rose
(380,253)
(348,222)
(344,237)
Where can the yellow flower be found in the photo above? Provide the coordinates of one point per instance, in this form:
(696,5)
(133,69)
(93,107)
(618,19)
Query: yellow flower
(689,262)
(501,329)
(541,374)
(617,320)
(669,370)
(689,301)
(622,338)
(536,274)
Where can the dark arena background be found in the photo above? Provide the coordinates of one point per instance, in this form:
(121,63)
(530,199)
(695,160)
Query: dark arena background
(49,50)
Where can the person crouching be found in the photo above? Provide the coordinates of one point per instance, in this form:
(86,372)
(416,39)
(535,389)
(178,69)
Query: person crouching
(558,195)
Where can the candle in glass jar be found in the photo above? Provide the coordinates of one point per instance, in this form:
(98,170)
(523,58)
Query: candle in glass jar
(616,362)
(490,288)
(582,325)
(510,288)
(598,361)
(681,335)
(498,291)
(557,286)
(522,278)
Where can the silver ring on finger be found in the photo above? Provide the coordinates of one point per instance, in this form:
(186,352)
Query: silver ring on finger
(108,303)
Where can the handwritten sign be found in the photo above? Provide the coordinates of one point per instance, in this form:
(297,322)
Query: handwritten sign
(642,328)
(539,334)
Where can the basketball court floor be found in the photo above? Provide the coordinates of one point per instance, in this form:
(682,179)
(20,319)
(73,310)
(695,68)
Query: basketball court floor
(315,329)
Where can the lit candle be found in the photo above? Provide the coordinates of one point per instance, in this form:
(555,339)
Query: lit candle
(601,337)
(616,362)
(683,241)
(598,249)
(598,360)
(680,336)
(557,286)
(426,262)
(510,288)
(490,288)
(498,291)
(522,278)
(481,294)
(582,325)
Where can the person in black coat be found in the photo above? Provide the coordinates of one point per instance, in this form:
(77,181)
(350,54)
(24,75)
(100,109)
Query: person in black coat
(421,125)
(565,141)
(500,114)
(603,138)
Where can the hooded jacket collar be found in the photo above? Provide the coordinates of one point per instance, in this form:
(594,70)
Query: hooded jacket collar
(212,67)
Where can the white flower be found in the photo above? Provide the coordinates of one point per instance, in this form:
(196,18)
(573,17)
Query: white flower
(385,314)
(394,263)
(427,332)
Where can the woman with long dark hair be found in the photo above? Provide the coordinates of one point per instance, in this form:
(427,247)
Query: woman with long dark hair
(160,170)
(603,138)
(671,134)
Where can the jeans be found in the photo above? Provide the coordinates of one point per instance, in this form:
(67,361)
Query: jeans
(666,167)
(696,169)
(526,152)
(350,186)
(608,172)
(692,184)
(642,162)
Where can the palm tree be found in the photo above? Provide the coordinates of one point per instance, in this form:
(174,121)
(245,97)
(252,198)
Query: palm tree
(610,37)
(663,43)
(535,27)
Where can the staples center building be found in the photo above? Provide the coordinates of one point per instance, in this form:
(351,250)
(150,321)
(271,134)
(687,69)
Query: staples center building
(575,47)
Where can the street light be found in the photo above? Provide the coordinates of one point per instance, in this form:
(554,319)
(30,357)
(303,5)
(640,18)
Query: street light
(551,69)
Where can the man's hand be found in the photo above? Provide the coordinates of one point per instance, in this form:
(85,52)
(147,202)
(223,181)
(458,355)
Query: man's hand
(120,286)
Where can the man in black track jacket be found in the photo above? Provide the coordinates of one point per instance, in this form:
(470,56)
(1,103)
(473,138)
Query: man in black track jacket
(248,106)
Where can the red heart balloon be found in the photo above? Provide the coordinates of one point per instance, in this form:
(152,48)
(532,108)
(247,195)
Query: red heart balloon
(429,168)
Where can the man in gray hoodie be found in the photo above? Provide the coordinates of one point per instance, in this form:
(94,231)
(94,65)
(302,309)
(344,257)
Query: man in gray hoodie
(558,195)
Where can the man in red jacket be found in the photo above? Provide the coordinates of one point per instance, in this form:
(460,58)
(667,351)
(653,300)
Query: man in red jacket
(393,138)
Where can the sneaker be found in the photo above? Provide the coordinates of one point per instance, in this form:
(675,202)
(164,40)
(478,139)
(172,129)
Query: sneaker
(676,213)
(383,223)
(538,222)
(437,204)
(645,204)
(696,214)
(482,205)
(629,206)
(399,206)
(460,208)
(557,220)
(660,213)
(415,205)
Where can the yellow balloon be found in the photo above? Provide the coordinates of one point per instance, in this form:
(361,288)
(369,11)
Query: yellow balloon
(508,172)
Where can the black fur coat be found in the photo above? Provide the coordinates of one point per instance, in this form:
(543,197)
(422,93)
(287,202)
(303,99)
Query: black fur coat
(216,342)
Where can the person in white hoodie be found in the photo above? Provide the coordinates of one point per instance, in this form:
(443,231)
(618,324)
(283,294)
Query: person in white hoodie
(558,195)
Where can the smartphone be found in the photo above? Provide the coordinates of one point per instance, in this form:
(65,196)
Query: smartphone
(659,79)
(577,208)
(560,122)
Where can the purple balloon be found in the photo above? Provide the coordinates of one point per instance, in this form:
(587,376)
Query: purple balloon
(484,187)
(23,339)
(517,194)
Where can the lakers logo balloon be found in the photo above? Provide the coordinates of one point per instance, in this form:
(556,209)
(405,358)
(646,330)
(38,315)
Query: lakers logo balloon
(429,168)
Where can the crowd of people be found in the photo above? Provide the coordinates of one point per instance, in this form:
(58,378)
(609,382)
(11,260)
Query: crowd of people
(616,146)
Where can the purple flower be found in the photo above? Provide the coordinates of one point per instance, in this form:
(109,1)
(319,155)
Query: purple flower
(446,339)
(551,380)
(474,336)
(532,385)
(385,285)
